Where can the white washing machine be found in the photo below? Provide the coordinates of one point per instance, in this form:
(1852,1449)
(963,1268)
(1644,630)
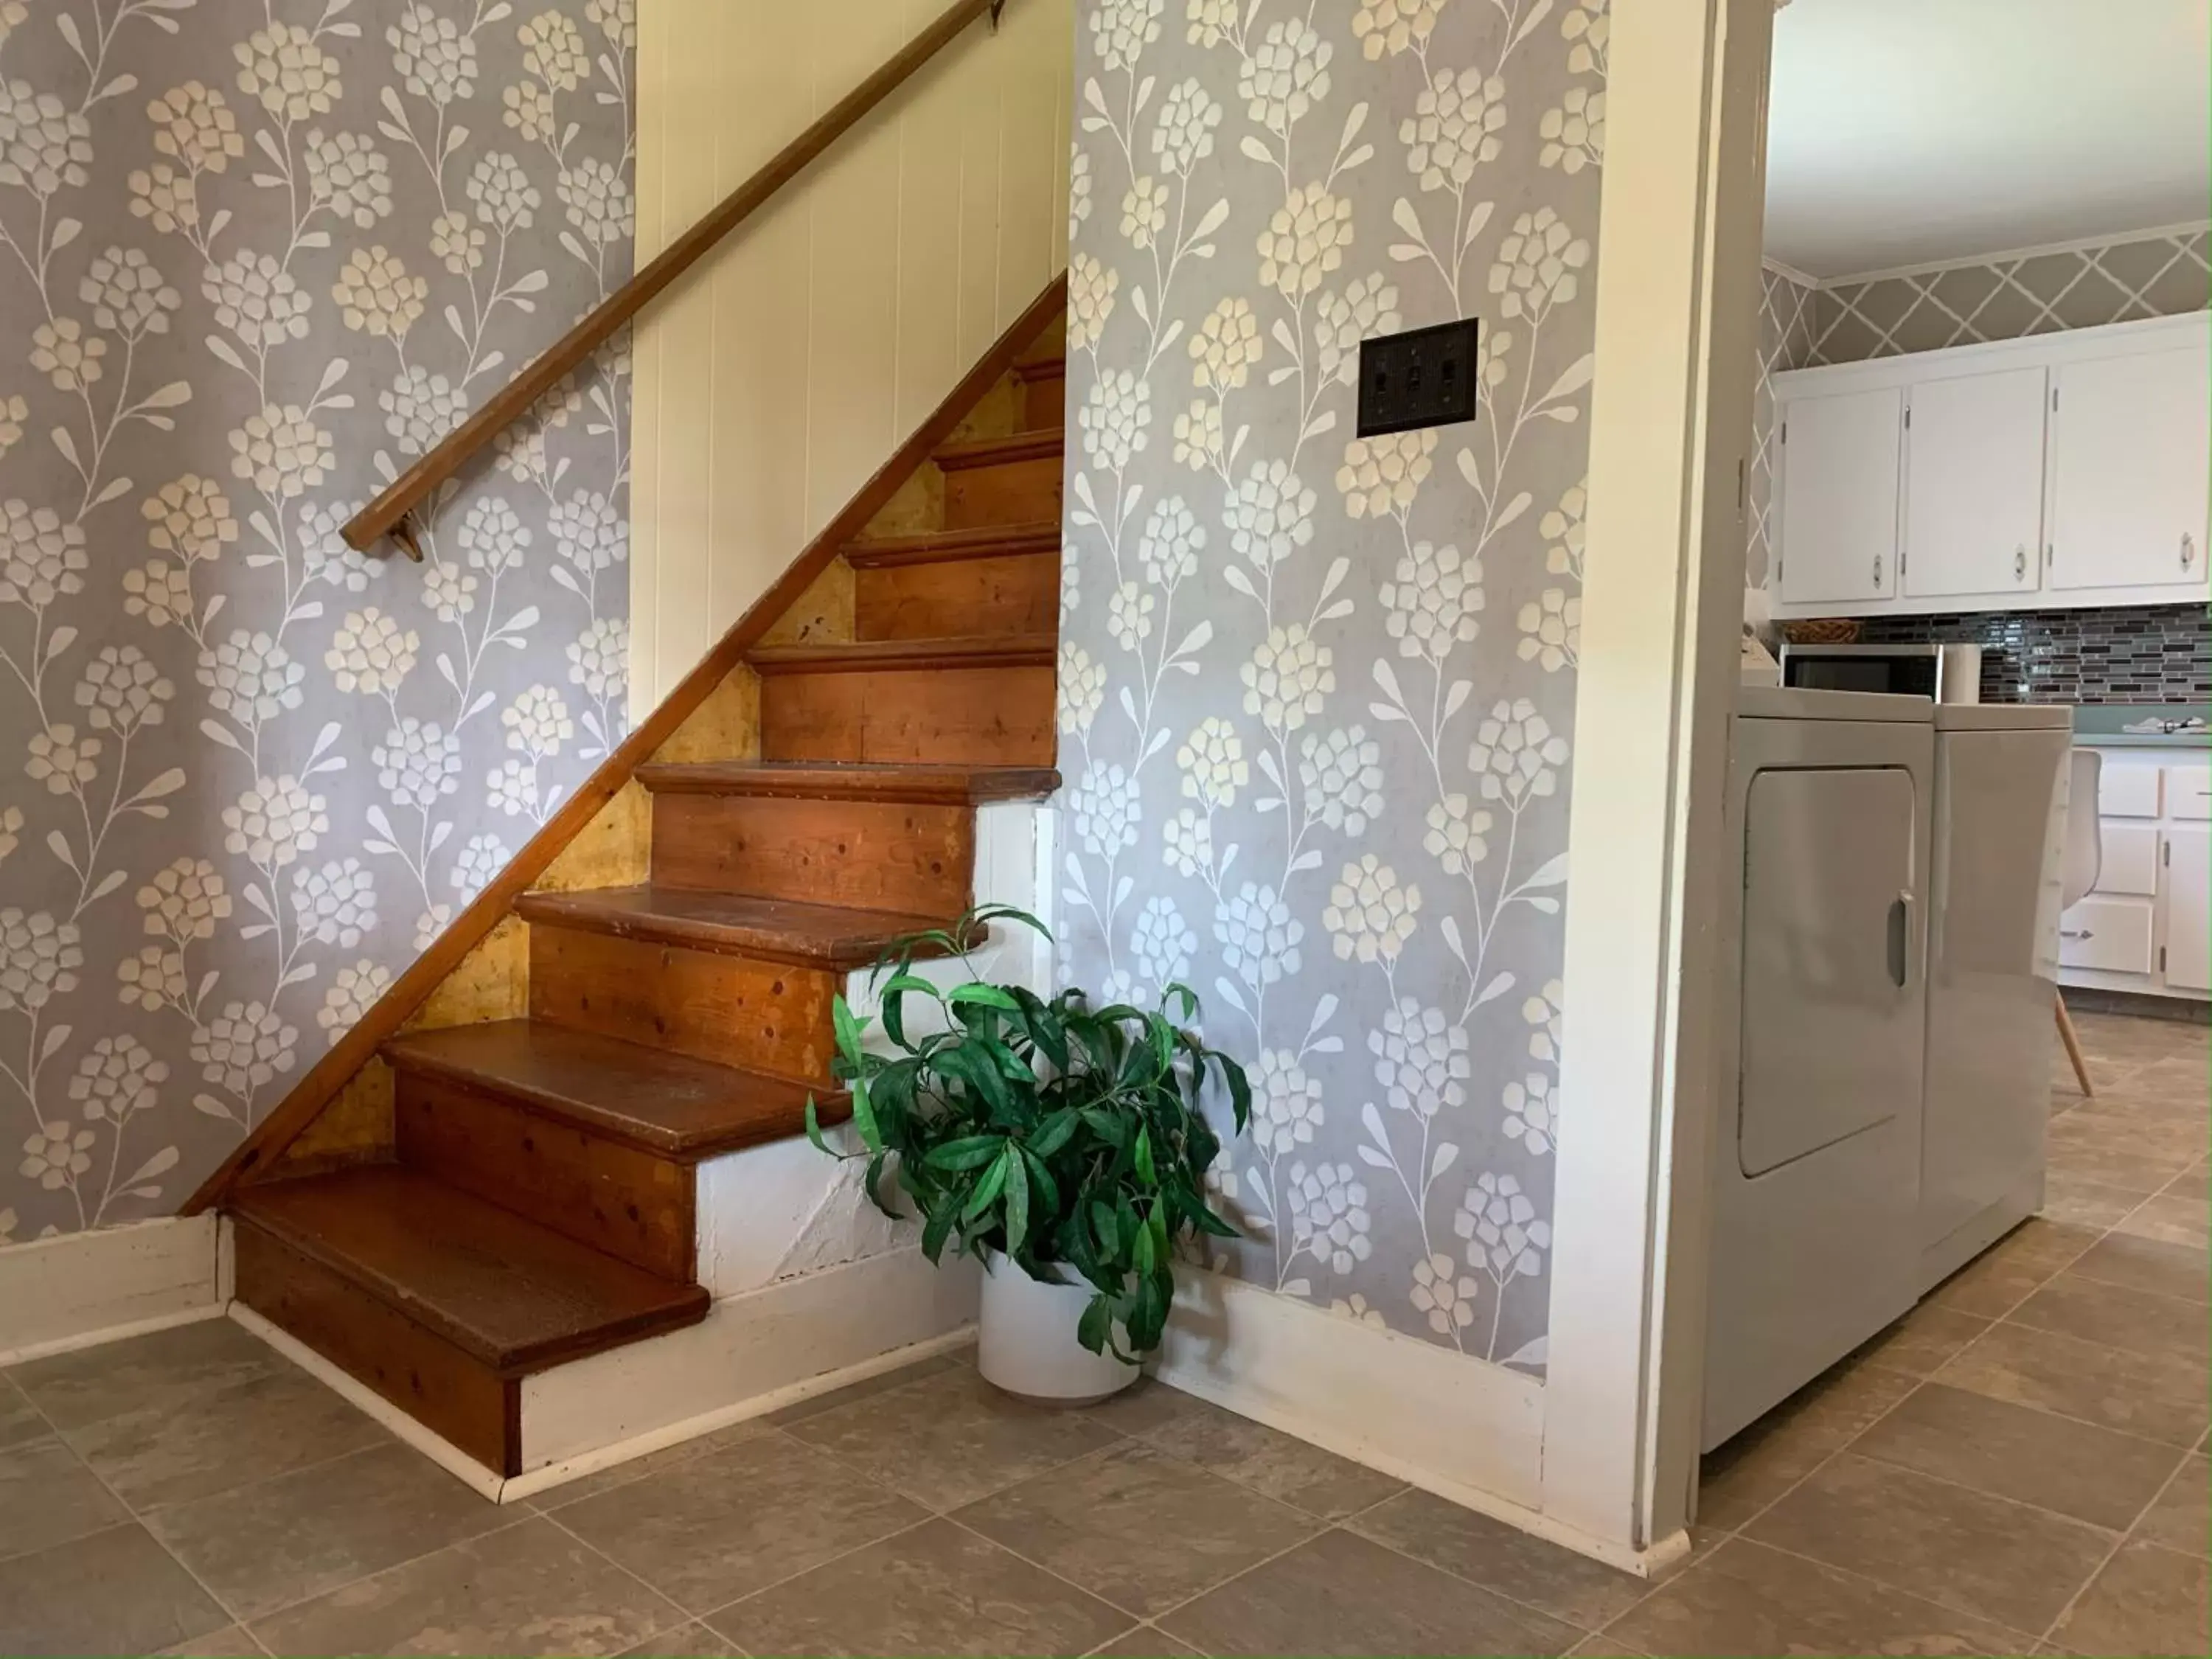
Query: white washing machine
(1999,852)
(1816,1240)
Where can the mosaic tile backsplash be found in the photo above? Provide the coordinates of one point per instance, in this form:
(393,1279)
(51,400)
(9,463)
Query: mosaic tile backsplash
(2146,653)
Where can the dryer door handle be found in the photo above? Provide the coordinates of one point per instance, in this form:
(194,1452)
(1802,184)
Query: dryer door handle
(1900,939)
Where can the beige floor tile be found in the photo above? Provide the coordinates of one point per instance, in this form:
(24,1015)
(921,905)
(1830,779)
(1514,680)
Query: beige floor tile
(2191,1184)
(1747,1600)
(174,1451)
(144,1373)
(2015,1452)
(2147,1601)
(693,1641)
(652,1463)
(1139,1528)
(862,1390)
(266,1546)
(231,1642)
(2002,1277)
(938,1589)
(708,1531)
(1920,1343)
(1604,1647)
(2090,1151)
(2151,1127)
(2149,1264)
(1145,1642)
(2084,1203)
(2182,1081)
(2135,1320)
(1744,1475)
(1340,1594)
(48,1497)
(2155,1395)
(2138,1037)
(1985,1556)
(2181,1519)
(115,1592)
(1277,1465)
(1145,1405)
(2174,1216)
(20,1419)
(1515,1564)
(951,1438)
(529,1589)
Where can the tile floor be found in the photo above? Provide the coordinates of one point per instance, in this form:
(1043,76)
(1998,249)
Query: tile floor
(2018,1468)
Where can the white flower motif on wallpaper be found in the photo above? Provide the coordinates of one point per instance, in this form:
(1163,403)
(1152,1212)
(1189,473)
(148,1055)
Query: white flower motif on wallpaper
(259,254)
(1318,729)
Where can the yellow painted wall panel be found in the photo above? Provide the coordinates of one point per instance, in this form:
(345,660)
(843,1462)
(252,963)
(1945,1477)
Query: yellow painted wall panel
(776,381)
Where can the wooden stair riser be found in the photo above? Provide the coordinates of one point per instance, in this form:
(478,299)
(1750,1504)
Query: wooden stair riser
(998,715)
(448,1391)
(629,1202)
(733,1010)
(873,855)
(1005,492)
(1044,396)
(1017,594)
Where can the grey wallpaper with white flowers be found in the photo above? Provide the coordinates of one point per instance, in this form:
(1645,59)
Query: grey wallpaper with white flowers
(255,256)
(1316,693)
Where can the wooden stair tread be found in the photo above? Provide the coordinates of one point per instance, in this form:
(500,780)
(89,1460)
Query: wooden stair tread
(944,546)
(917,783)
(1042,367)
(871,656)
(667,1103)
(1045,443)
(514,1295)
(825,936)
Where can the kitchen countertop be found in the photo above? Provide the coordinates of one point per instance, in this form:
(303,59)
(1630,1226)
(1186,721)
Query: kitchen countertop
(2136,725)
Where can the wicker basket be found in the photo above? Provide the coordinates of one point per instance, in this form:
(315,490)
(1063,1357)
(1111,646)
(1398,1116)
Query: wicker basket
(1822,631)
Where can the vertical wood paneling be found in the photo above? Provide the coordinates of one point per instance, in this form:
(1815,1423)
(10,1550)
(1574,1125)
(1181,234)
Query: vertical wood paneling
(770,387)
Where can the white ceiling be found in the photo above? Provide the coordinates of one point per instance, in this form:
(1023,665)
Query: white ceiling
(1906,132)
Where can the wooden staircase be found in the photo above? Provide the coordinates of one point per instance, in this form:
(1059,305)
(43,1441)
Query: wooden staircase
(537,1200)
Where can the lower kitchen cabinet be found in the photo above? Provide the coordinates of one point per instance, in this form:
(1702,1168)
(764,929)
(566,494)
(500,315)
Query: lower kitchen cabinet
(2146,925)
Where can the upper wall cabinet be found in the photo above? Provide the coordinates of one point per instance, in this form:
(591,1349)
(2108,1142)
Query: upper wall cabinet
(1974,447)
(1839,501)
(2062,471)
(2127,470)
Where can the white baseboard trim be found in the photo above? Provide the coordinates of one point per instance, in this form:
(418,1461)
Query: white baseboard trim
(752,1353)
(81,1289)
(1463,1429)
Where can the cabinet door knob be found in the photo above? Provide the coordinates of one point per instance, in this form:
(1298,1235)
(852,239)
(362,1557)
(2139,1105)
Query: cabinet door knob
(2188,550)
(2020,562)
(1877,570)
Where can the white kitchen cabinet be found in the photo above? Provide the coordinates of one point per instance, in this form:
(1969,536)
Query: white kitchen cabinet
(2067,470)
(2146,927)
(1841,461)
(2187,903)
(2129,470)
(1973,515)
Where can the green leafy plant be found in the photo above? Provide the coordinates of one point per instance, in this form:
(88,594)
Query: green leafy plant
(1057,1134)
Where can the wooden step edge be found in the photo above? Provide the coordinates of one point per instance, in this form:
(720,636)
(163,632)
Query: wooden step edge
(843,951)
(950,546)
(687,1305)
(918,785)
(1046,443)
(1054,367)
(877,656)
(754,1128)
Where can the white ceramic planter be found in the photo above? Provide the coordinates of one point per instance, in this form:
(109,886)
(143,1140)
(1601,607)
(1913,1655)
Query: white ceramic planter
(1027,1343)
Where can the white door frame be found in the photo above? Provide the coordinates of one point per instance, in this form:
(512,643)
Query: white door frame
(1670,434)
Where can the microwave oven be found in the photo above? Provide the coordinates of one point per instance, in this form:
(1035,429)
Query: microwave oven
(1942,673)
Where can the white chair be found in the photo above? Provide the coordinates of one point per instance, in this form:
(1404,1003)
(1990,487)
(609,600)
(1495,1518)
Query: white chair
(2084,861)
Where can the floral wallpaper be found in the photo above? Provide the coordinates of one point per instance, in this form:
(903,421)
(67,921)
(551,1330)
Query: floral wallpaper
(255,256)
(1317,693)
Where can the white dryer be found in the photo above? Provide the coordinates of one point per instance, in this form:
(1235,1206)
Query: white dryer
(1816,1224)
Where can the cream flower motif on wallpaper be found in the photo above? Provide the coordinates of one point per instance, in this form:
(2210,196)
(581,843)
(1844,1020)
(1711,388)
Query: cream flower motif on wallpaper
(1302,771)
(271,250)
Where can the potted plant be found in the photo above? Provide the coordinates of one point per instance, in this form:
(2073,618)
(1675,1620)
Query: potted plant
(1062,1143)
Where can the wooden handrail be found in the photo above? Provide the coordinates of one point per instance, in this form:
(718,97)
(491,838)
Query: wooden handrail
(390,512)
